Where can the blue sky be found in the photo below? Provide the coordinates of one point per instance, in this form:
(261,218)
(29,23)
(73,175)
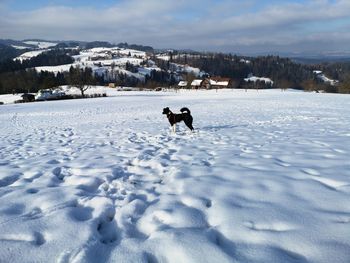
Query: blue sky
(35,4)
(222,25)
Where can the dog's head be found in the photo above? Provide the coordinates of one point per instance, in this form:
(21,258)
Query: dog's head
(166,110)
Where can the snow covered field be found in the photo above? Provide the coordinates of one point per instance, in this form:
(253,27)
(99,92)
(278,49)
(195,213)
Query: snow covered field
(266,178)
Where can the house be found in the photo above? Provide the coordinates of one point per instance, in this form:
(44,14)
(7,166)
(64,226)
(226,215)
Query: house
(196,84)
(27,97)
(220,83)
(211,83)
(252,78)
(322,77)
(100,56)
(182,84)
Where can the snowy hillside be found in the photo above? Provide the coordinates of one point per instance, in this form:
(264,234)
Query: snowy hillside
(106,61)
(128,66)
(41,44)
(30,54)
(265,178)
(18,47)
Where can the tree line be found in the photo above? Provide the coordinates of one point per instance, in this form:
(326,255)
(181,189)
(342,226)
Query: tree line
(17,76)
(283,71)
(49,58)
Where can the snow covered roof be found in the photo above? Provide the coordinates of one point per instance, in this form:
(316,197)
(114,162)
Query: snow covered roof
(255,79)
(182,83)
(224,82)
(244,61)
(219,83)
(331,82)
(163,57)
(196,82)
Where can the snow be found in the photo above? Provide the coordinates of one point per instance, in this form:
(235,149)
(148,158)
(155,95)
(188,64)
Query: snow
(147,70)
(56,69)
(186,68)
(196,82)
(91,90)
(19,47)
(41,44)
(255,79)
(106,53)
(121,61)
(325,79)
(183,83)
(71,90)
(244,61)
(115,51)
(319,74)
(106,61)
(10,98)
(223,83)
(265,178)
(30,54)
(163,57)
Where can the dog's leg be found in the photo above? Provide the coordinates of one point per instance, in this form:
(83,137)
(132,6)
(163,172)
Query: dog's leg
(174,128)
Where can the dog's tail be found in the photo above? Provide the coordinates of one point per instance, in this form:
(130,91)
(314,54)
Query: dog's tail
(185,109)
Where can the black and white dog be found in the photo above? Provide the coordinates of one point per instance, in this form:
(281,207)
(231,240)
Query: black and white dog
(173,118)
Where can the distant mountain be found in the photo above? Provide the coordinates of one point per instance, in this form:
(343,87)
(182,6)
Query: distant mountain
(321,59)
(8,52)
(42,43)
(136,47)
(10,42)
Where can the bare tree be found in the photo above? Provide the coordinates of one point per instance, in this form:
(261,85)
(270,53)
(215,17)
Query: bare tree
(81,78)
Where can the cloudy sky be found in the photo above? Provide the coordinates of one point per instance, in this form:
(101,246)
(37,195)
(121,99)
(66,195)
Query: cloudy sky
(212,25)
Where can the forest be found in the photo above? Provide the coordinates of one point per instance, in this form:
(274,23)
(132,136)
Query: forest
(283,71)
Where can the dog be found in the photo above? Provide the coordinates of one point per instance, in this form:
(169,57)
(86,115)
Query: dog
(174,118)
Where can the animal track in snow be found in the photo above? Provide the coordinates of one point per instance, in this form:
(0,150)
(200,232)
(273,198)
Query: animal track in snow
(10,179)
(61,172)
(107,229)
(14,209)
(39,239)
(32,190)
(81,213)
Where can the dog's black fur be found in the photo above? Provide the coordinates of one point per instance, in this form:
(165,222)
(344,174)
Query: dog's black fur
(174,118)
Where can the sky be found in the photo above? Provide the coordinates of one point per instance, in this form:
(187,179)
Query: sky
(251,26)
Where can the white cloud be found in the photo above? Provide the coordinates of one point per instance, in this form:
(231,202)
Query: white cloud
(187,24)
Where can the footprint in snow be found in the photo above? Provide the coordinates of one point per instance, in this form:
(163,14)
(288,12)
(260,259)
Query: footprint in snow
(61,172)
(8,180)
(107,229)
(81,213)
(32,191)
(14,209)
(39,239)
